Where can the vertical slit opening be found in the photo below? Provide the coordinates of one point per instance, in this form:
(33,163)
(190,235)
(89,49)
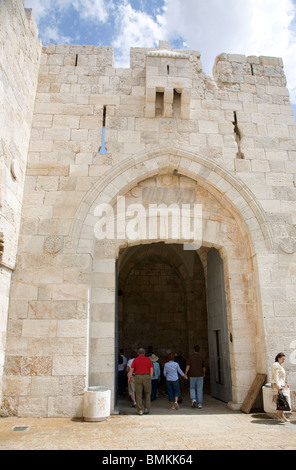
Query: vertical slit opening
(252,69)
(238,137)
(103,149)
(104,116)
(159,103)
(177,103)
(168,70)
(76,60)
(1,245)
(236,129)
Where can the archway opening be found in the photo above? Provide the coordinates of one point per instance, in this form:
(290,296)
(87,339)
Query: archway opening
(162,304)
(161,299)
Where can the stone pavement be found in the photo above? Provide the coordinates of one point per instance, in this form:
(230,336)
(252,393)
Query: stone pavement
(215,427)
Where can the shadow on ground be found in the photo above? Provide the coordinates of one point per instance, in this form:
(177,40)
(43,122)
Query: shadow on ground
(263,418)
(162,406)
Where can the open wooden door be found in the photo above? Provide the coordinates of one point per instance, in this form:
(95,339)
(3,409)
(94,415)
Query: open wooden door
(219,361)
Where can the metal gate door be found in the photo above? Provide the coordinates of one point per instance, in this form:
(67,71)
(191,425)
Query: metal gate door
(219,362)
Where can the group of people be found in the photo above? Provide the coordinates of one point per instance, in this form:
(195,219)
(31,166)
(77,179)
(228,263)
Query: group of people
(144,374)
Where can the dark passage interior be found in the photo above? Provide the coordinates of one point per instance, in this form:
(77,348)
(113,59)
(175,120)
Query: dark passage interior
(161,300)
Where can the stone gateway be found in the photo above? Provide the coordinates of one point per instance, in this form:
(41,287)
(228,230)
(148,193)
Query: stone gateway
(101,247)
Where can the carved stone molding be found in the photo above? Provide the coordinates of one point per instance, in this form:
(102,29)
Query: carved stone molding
(53,244)
(15,170)
(288,245)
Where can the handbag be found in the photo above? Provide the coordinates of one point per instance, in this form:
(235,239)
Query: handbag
(282,402)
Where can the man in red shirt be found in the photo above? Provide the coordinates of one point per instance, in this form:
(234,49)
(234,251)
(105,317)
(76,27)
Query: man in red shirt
(143,368)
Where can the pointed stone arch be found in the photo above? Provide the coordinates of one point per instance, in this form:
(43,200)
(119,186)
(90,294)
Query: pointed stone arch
(256,239)
(217,180)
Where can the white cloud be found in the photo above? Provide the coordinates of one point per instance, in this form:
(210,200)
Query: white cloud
(40,8)
(136,29)
(208,25)
(252,27)
(53,34)
(93,10)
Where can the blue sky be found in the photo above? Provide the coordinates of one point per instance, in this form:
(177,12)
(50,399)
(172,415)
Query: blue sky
(252,27)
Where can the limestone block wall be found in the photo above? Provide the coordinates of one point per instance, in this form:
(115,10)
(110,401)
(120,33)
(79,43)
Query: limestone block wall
(233,132)
(20,51)
(265,161)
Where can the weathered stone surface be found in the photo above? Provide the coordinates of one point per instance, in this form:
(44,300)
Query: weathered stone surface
(19,365)
(173,135)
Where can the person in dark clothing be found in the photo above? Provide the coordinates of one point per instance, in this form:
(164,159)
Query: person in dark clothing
(197,370)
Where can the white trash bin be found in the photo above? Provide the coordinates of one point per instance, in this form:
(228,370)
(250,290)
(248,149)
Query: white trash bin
(97,404)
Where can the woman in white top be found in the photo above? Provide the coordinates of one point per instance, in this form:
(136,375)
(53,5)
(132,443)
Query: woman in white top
(279,380)
(170,371)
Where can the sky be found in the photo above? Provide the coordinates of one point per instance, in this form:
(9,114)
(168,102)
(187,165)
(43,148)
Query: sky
(250,27)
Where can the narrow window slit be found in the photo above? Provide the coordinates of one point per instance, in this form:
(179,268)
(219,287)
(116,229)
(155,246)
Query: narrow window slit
(238,137)
(103,149)
(252,69)
(20,428)
(76,60)
(177,103)
(159,103)
(236,129)
(104,116)
(168,70)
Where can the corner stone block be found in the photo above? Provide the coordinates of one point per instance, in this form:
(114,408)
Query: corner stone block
(275,61)
(151,94)
(185,111)
(186,96)
(150,110)
(167,110)
(168,96)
